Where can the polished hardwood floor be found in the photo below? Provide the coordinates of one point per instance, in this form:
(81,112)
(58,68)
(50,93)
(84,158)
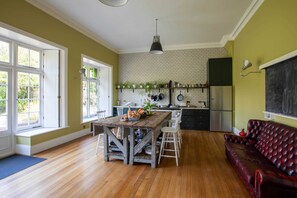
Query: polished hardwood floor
(73,170)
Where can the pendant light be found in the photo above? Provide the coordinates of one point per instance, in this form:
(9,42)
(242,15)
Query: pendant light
(114,3)
(156,47)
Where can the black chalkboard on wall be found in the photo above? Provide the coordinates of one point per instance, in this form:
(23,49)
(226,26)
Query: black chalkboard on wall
(281,88)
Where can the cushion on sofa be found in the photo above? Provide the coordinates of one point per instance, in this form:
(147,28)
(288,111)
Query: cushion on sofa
(248,160)
(254,128)
(278,143)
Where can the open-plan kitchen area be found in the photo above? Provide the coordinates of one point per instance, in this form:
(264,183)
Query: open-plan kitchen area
(126,98)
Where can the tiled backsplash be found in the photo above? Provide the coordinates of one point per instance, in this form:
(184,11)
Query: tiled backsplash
(184,66)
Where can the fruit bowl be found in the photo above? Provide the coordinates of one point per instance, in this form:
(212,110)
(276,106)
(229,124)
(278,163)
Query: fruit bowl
(133,118)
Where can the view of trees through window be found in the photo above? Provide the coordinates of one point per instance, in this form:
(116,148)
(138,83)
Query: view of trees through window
(27,91)
(4,52)
(28,99)
(28,57)
(90,88)
(3,100)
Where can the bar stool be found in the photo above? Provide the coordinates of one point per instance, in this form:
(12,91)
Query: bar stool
(101,115)
(170,136)
(177,114)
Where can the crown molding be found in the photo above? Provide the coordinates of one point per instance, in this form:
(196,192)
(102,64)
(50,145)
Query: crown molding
(175,47)
(249,13)
(225,39)
(42,6)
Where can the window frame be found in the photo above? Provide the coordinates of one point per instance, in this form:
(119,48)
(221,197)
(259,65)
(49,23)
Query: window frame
(88,81)
(30,70)
(9,101)
(10,63)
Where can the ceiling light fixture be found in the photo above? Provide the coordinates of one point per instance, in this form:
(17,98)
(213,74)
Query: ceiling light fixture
(114,3)
(156,47)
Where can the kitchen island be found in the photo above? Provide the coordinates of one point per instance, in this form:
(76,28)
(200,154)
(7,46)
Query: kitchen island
(128,149)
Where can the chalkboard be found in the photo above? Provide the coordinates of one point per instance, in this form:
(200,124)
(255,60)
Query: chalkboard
(281,88)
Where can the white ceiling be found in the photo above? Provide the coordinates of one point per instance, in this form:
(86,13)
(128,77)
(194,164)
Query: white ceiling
(183,24)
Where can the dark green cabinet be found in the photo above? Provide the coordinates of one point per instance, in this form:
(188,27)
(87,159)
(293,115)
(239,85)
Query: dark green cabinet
(220,71)
(195,119)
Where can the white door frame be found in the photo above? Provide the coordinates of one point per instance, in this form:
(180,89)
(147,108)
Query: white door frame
(8,137)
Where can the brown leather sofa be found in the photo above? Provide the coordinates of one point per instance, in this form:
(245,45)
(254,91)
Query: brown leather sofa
(265,160)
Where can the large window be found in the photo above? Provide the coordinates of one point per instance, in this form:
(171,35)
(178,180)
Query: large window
(28,101)
(90,85)
(28,87)
(96,88)
(32,98)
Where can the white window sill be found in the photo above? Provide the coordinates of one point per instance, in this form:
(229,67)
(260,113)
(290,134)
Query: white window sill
(87,120)
(38,131)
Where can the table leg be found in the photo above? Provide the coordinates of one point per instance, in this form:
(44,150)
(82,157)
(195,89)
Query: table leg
(106,145)
(125,153)
(154,161)
(132,142)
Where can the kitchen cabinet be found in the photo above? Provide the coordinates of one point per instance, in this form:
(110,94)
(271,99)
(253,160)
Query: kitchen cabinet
(195,119)
(220,71)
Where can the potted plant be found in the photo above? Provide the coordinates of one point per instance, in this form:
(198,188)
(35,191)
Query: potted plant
(148,107)
(147,87)
(141,85)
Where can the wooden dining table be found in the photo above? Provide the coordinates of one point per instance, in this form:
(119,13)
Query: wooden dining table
(130,151)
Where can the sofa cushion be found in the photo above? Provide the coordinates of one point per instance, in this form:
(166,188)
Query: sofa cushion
(254,128)
(278,143)
(248,160)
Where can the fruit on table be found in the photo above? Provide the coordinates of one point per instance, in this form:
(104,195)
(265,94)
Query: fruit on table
(141,111)
(133,114)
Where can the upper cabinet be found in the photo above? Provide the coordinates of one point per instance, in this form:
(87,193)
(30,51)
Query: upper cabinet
(220,71)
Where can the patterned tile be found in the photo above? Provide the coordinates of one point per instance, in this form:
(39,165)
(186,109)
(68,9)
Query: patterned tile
(184,66)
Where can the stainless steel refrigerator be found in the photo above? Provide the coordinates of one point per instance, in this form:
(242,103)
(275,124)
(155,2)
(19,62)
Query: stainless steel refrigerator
(220,108)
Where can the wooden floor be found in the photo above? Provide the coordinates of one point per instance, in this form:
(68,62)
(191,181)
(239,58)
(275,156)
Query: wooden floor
(73,170)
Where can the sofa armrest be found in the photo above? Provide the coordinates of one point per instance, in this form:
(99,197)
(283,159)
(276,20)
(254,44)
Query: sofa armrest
(238,139)
(273,184)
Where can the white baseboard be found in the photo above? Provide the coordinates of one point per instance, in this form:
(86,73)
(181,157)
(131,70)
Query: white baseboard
(31,150)
(236,131)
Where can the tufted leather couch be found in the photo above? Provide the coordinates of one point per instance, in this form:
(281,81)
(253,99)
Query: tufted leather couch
(265,160)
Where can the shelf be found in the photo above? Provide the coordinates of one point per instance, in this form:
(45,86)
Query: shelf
(172,88)
(142,88)
(189,88)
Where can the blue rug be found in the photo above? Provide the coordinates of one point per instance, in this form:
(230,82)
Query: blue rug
(15,163)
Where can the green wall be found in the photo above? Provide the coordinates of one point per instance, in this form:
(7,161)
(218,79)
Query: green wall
(24,16)
(271,33)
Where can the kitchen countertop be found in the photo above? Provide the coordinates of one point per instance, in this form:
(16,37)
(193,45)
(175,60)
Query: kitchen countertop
(128,106)
(177,108)
(165,108)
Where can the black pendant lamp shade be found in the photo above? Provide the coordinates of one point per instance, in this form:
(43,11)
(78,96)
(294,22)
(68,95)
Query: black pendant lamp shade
(114,3)
(156,47)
